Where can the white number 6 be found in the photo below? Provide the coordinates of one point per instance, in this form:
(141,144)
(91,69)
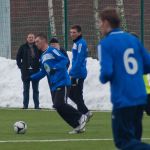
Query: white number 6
(130,60)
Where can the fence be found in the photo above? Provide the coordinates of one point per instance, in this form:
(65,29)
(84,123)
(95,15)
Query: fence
(54,18)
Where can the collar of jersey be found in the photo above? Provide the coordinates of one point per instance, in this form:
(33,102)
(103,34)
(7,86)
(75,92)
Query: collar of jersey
(115,31)
(77,39)
(46,50)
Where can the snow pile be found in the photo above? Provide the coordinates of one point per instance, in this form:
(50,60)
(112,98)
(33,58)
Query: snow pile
(96,95)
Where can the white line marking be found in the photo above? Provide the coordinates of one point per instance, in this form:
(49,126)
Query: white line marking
(58,140)
(44,109)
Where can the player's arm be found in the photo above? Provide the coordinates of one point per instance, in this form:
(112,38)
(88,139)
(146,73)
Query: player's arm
(49,65)
(81,56)
(61,61)
(146,59)
(65,53)
(39,75)
(106,64)
(19,57)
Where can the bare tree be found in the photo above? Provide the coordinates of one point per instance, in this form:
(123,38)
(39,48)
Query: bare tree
(120,6)
(51,17)
(96,17)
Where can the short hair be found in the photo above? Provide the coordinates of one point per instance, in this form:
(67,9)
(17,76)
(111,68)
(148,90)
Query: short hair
(30,33)
(112,16)
(77,27)
(53,40)
(42,36)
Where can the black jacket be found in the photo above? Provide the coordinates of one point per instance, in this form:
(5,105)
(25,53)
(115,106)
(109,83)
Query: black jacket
(25,61)
(63,51)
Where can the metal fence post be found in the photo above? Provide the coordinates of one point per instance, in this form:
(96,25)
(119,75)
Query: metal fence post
(142,21)
(66,23)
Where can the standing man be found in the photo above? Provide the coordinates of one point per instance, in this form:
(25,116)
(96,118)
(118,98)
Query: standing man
(53,65)
(28,62)
(123,61)
(55,43)
(78,71)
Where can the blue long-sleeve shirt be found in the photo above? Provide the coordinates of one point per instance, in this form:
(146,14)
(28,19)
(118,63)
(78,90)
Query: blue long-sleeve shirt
(123,61)
(79,56)
(53,65)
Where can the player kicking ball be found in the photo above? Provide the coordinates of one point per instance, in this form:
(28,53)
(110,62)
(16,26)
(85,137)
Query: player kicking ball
(123,61)
(53,65)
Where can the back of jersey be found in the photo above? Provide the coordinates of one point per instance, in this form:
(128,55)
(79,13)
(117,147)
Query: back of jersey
(122,52)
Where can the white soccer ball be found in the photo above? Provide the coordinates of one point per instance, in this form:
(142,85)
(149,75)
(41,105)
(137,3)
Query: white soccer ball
(20,127)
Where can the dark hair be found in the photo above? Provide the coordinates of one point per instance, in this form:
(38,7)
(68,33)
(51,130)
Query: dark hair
(42,36)
(112,16)
(30,33)
(77,27)
(54,40)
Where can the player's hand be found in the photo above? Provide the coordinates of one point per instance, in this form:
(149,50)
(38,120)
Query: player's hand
(52,71)
(74,82)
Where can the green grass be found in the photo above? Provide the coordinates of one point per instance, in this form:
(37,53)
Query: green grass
(47,125)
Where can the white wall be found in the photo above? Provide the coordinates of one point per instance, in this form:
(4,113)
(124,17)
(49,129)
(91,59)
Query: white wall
(5,33)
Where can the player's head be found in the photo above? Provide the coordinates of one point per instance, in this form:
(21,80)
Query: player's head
(41,41)
(109,19)
(54,43)
(30,38)
(75,31)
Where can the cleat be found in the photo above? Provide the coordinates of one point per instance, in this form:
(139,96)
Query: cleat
(77,131)
(81,127)
(89,115)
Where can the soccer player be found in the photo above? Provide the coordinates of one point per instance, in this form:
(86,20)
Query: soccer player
(78,71)
(53,65)
(123,61)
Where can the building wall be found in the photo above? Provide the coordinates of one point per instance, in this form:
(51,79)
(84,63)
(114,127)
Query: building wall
(27,16)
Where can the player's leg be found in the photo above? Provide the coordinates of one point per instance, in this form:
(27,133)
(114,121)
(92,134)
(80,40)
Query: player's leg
(147,107)
(66,111)
(35,87)
(123,126)
(26,89)
(138,122)
(81,105)
(76,95)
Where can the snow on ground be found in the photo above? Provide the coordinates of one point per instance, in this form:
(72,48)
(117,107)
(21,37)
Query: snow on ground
(96,95)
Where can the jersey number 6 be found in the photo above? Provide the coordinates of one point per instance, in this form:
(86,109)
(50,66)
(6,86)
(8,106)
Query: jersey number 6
(130,62)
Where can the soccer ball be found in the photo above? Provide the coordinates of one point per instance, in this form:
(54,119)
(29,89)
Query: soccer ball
(20,127)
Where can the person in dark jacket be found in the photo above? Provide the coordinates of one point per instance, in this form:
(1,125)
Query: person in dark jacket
(28,62)
(55,43)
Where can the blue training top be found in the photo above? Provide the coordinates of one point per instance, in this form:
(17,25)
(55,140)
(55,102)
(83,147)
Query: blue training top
(53,64)
(123,61)
(79,54)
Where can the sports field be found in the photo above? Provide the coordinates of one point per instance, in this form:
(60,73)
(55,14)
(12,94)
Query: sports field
(47,131)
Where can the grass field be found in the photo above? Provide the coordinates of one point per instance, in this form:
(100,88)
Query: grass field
(47,131)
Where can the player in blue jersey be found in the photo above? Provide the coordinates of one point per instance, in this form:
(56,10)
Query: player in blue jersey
(123,61)
(78,71)
(53,65)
